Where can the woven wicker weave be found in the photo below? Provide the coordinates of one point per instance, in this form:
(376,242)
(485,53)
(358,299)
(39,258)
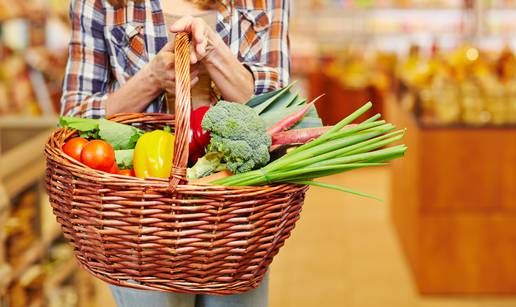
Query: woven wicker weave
(167,235)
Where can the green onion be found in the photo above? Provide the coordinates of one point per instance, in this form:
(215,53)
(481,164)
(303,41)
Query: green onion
(336,151)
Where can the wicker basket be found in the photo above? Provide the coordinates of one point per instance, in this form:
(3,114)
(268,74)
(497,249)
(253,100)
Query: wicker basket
(168,235)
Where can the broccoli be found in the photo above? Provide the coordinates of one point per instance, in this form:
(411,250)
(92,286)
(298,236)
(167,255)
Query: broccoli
(239,134)
(206,165)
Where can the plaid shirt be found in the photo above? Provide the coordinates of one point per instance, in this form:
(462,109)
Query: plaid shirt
(109,45)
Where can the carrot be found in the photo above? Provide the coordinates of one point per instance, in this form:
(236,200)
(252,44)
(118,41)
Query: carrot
(300,136)
(291,119)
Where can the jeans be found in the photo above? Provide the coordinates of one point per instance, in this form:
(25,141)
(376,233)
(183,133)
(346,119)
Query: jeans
(127,297)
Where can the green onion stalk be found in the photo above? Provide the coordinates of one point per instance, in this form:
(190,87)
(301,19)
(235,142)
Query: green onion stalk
(338,150)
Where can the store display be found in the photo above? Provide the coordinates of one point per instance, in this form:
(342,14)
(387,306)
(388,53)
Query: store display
(446,69)
(465,86)
(31,60)
(21,226)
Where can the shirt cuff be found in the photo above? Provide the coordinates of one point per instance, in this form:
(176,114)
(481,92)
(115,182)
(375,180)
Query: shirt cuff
(266,78)
(93,106)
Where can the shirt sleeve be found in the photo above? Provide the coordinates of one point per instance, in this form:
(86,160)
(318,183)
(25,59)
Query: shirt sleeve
(272,71)
(86,80)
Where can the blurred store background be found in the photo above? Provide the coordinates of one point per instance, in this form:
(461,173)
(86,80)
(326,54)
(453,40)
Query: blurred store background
(445,235)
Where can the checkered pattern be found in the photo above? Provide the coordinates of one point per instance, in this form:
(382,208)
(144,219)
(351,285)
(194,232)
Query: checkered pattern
(109,45)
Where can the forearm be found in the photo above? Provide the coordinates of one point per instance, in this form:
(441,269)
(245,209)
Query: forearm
(232,78)
(134,95)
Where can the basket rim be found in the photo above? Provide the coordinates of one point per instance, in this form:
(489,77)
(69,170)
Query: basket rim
(71,164)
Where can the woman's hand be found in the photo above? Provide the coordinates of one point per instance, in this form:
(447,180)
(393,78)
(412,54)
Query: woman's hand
(233,79)
(161,72)
(155,77)
(204,39)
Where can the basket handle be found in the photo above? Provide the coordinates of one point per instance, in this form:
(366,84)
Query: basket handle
(183,108)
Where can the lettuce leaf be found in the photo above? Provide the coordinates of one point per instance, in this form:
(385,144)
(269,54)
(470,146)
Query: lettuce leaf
(120,136)
(124,158)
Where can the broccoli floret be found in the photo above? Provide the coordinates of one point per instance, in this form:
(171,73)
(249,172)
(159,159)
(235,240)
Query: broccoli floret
(240,134)
(206,165)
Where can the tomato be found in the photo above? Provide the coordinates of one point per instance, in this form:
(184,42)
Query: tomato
(127,172)
(98,155)
(74,147)
(114,168)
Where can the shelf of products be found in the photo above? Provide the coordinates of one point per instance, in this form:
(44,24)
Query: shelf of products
(389,25)
(465,87)
(396,25)
(33,45)
(37,267)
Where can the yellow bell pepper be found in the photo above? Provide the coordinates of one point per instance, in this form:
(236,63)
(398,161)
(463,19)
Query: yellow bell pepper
(153,154)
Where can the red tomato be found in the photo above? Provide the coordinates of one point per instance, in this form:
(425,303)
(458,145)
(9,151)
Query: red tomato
(74,147)
(127,172)
(114,168)
(98,155)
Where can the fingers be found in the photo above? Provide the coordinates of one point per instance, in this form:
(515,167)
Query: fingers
(170,86)
(169,59)
(182,25)
(194,73)
(199,35)
(194,81)
(193,56)
(198,29)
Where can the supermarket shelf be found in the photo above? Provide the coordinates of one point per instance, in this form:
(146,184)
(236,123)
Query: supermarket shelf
(61,274)
(415,120)
(353,10)
(27,259)
(39,302)
(23,165)
(502,8)
(28,122)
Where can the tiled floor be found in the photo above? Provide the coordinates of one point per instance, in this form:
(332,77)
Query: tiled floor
(343,253)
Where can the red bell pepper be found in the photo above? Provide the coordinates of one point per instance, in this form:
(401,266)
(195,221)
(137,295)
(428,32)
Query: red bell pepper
(199,138)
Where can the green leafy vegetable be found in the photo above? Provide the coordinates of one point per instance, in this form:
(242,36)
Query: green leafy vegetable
(81,124)
(124,158)
(93,134)
(239,135)
(205,166)
(273,107)
(120,136)
(337,150)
